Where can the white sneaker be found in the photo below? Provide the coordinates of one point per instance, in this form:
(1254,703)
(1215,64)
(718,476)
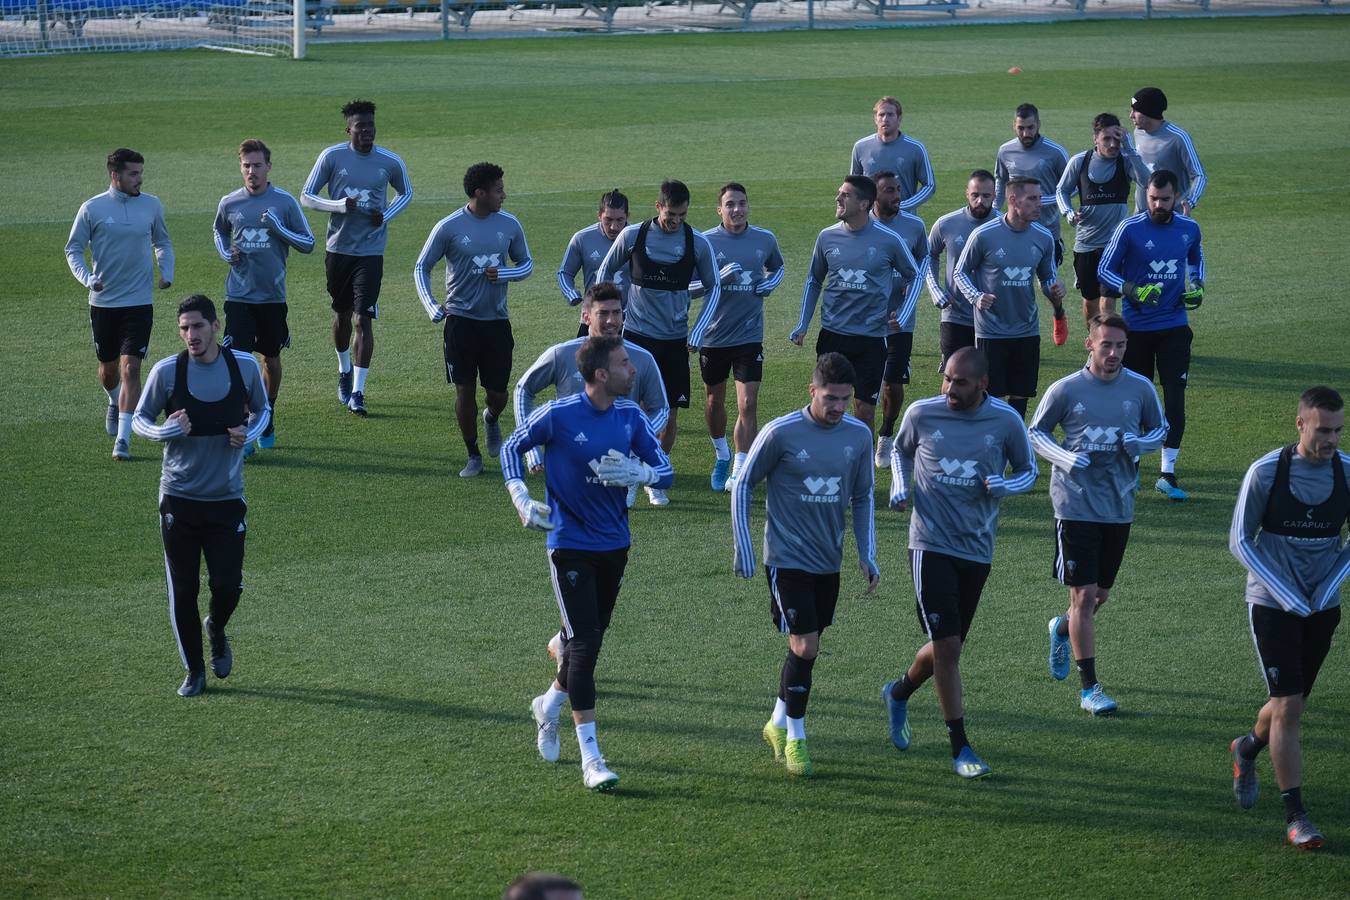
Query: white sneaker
(547,740)
(597,775)
(555,649)
(632,496)
(657,497)
(883,456)
(731,482)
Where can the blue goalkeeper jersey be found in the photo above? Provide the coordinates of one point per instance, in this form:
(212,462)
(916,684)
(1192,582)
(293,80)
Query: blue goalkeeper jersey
(1143,253)
(586,515)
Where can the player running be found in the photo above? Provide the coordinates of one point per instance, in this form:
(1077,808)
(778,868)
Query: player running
(750,266)
(597,444)
(1155,260)
(815,461)
(891,151)
(256,227)
(357,176)
(957,447)
(1109,417)
(1032,155)
(949,234)
(588,248)
(1287,533)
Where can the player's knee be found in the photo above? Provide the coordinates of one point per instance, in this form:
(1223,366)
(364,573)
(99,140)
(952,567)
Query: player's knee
(804,645)
(583,650)
(947,650)
(1287,710)
(1083,600)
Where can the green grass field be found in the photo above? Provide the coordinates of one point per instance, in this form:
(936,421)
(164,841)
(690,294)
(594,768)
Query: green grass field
(374,739)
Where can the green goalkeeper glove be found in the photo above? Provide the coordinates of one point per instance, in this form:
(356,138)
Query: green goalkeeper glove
(1193,297)
(1144,295)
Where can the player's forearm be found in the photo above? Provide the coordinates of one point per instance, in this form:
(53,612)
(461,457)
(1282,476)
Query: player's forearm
(770,281)
(301,241)
(864,530)
(422,282)
(78,268)
(1331,584)
(920,196)
(143,425)
(705,314)
(659,416)
(902,465)
(164,259)
(966,286)
(519,272)
(257,423)
(1263,570)
(314,201)
(400,204)
(810,294)
(566,283)
(1019,482)
(222,242)
(1050,450)
(1151,440)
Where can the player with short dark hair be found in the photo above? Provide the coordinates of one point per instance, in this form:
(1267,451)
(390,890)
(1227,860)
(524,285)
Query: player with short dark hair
(475,241)
(997,272)
(815,461)
(957,447)
(215,404)
(1101,177)
(1155,260)
(357,175)
(1110,416)
(949,234)
(120,228)
(664,254)
(255,228)
(853,270)
(904,309)
(589,246)
(889,150)
(1032,155)
(597,444)
(1287,533)
(1165,147)
(750,266)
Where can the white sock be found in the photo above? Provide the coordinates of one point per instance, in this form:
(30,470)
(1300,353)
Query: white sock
(590,748)
(779,718)
(796,729)
(113,394)
(720,445)
(344,361)
(1169,460)
(738,461)
(554,700)
(359,380)
(124,426)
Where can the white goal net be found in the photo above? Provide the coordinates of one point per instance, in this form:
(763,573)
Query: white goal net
(39,27)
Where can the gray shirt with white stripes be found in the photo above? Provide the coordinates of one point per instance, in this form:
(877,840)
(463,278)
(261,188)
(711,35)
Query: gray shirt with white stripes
(201,467)
(366,178)
(855,271)
(263,227)
(905,291)
(585,252)
(664,315)
(1000,260)
(121,231)
(1044,161)
(958,459)
(813,471)
(1298,575)
(1170,148)
(750,267)
(949,234)
(1107,425)
(471,245)
(1097,221)
(906,157)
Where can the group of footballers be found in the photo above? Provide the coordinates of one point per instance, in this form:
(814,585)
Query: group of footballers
(622,380)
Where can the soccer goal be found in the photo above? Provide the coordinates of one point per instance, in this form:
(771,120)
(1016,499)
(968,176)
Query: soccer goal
(40,27)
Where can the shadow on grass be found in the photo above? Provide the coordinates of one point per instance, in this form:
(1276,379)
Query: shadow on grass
(349,699)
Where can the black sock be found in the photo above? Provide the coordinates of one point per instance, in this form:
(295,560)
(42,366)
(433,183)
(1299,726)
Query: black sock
(1169,477)
(796,685)
(473,447)
(1250,745)
(956,731)
(902,689)
(1087,670)
(1063,628)
(1293,803)
(887,428)
(1019,404)
(488,416)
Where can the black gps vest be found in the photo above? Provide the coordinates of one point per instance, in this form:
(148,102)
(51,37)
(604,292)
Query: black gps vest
(214,417)
(1287,515)
(660,276)
(1092,193)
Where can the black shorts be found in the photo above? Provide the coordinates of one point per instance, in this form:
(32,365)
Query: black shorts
(586,584)
(672,360)
(354,283)
(1014,365)
(1168,352)
(952,336)
(1089,552)
(478,351)
(1291,648)
(899,346)
(744,362)
(802,602)
(946,592)
(256,327)
(1085,264)
(868,355)
(121,331)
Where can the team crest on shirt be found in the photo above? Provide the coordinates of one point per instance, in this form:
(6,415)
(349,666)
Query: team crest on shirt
(628,430)
(1127,407)
(989,441)
(871,252)
(1148,245)
(849,451)
(501,236)
(384,173)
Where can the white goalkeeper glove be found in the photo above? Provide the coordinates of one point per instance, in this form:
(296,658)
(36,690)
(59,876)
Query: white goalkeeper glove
(533,514)
(617,469)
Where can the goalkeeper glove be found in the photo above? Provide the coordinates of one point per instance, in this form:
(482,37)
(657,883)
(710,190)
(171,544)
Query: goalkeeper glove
(1144,295)
(1193,296)
(533,514)
(617,469)
(1061,328)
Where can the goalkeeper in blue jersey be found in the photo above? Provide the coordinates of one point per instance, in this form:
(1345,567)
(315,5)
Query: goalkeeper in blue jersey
(598,444)
(1156,263)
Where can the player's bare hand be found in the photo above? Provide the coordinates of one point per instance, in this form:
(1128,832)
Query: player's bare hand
(892,321)
(236,256)
(1057,291)
(490,273)
(96,286)
(797,338)
(536,468)
(986,301)
(1185,208)
(691,348)
(900,506)
(351,204)
(164,285)
(181,417)
(377,217)
(873,578)
(237,435)
(1074,217)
